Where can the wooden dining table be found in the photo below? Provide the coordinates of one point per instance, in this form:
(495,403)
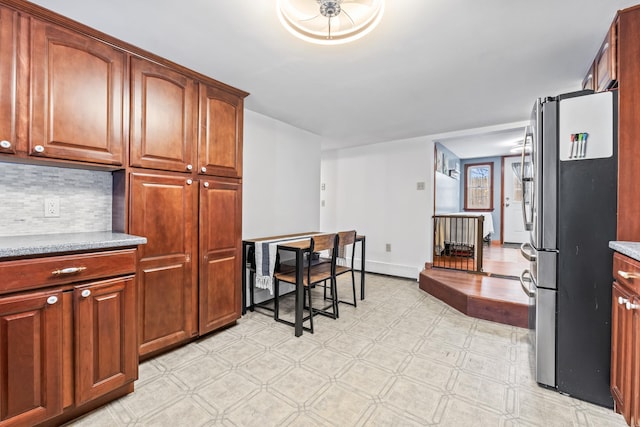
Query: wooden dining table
(299,244)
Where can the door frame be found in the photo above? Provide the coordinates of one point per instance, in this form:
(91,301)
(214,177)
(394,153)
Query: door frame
(502,193)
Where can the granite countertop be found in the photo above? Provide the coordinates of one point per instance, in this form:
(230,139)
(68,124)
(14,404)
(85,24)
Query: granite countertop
(630,249)
(45,244)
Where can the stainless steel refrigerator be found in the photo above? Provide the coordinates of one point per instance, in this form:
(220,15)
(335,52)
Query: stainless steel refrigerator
(569,206)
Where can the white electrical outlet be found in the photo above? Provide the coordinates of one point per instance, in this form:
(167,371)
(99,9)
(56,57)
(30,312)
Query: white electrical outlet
(388,247)
(51,207)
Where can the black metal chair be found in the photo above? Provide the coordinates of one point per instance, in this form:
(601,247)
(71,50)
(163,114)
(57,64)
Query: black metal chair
(347,239)
(314,272)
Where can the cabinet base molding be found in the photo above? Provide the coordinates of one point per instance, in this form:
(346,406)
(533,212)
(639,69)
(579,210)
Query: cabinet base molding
(76,412)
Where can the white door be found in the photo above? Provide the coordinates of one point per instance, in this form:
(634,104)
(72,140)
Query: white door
(513,224)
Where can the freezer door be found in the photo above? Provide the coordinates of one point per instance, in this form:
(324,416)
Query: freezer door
(544,269)
(545,336)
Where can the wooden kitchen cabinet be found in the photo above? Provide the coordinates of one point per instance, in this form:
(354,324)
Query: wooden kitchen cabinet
(164,209)
(67,345)
(588,82)
(625,338)
(31,355)
(628,124)
(220,139)
(164,107)
(220,252)
(105,341)
(78,96)
(10,50)
(606,63)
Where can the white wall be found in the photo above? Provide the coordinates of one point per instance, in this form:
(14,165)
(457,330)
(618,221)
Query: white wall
(373,189)
(281,178)
(280,182)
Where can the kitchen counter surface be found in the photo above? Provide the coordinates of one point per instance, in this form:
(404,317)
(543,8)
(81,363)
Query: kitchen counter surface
(630,249)
(44,244)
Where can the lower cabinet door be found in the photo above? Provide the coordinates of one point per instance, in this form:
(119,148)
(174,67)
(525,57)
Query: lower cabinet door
(105,337)
(164,209)
(30,358)
(621,320)
(220,253)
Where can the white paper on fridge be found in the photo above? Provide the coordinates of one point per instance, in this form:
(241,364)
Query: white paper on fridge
(586,127)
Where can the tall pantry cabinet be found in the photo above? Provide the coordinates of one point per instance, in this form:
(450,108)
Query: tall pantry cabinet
(185,193)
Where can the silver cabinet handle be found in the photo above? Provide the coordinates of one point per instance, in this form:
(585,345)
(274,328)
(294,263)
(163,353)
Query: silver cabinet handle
(68,270)
(5,144)
(189,181)
(206,185)
(38,149)
(189,167)
(85,293)
(526,254)
(203,169)
(52,300)
(525,287)
(622,301)
(632,306)
(627,275)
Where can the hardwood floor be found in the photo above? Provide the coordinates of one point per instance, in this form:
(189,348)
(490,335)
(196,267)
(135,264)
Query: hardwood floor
(495,295)
(501,261)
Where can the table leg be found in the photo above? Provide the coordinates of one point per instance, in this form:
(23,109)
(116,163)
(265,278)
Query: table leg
(299,292)
(362,262)
(244,278)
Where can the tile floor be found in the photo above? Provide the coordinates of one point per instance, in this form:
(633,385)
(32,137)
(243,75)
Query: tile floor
(401,358)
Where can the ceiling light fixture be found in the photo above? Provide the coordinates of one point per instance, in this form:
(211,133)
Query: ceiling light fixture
(330,21)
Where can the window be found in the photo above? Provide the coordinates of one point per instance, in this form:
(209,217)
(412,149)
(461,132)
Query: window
(478,187)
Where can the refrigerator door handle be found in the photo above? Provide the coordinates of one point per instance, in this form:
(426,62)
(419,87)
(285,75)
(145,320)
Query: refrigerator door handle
(524,179)
(529,256)
(525,287)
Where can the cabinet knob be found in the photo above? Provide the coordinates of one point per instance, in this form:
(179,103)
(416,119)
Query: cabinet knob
(203,169)
(38,149)
(189,167)
(189,181)
(632,306)
(52,300)
(206,185)
(622,301)
(5,144)
(85,293)
(627,275)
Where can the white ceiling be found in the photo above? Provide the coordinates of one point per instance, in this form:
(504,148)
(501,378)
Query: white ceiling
(431,67)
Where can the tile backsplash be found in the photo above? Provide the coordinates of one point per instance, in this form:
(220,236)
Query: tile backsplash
(85,198)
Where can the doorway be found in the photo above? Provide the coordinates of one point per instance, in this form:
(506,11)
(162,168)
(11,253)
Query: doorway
(513,230)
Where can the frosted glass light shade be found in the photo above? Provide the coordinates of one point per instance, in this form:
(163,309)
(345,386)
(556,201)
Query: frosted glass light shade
(330,21)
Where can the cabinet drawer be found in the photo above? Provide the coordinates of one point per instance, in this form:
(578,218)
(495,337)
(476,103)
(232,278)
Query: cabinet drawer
(626,271)
(57,270)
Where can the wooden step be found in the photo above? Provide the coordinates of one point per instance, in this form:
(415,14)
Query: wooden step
(484,297)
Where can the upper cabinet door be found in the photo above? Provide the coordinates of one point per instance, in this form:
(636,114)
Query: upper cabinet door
(163,117)
(8,61)
(220,145)
(77,99)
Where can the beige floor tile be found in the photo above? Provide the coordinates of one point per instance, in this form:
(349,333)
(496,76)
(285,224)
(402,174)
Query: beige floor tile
(401,358)
(388,358)
(429,372)
(366,378)
(414,398)
(299,384)
(262,409)
(340,406)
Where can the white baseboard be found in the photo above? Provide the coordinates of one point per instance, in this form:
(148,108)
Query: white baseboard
(399,270)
